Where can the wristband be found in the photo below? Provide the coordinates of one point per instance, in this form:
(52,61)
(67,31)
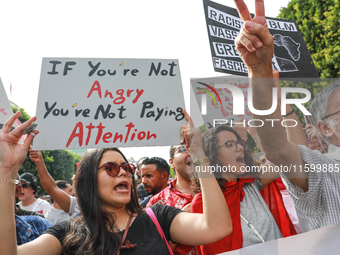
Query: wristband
(289,113)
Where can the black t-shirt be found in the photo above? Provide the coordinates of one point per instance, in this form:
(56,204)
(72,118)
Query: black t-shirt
(142,231)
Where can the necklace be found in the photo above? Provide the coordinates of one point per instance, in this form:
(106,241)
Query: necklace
(118,229)
(127,245)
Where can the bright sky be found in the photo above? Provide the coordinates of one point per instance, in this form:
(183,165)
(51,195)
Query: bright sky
(176,29)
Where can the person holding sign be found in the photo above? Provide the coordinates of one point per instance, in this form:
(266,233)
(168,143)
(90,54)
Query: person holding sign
(111,221)
(312,178)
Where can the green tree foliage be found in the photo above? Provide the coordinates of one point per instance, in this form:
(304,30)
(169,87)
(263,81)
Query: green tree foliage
(319,22)
(61,164)
(23,116)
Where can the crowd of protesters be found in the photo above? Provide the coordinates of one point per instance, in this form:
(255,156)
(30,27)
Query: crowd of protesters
(115,207)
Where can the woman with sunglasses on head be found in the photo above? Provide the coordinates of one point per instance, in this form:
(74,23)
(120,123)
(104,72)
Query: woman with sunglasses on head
(252,221)
(111,221)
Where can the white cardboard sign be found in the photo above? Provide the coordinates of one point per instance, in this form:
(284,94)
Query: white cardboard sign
(215,100)
(91,103)
(5,107)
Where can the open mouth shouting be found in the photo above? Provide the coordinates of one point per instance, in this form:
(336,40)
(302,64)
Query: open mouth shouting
(122,187)
(240,160)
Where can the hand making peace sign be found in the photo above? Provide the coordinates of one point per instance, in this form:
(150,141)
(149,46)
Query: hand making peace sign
(254,43)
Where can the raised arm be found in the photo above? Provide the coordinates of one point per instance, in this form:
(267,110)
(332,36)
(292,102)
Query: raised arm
(294,134)
(273,140)
(12,155)
(215,223)
(61,197)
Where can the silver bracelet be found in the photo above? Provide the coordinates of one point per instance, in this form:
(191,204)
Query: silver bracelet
(14,181)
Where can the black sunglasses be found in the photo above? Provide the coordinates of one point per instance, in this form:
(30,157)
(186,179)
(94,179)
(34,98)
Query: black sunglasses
(113,168)
(25,185)
(182,149)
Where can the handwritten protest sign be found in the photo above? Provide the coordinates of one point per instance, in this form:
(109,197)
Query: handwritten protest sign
(90,103)
(215,99)
(291,56)
(5,108)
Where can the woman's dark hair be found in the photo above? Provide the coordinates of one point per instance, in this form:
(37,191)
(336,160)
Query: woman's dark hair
(210,144)
(92,233)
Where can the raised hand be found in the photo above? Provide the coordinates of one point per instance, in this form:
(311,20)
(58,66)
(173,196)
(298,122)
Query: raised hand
(254,43)
(192,137)
(13,154)
(36,156)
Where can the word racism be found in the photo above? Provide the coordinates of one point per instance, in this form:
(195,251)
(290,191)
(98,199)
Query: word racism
(238,100)
(117,107)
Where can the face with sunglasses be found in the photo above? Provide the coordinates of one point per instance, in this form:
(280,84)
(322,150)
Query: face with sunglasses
(27,192)
(181,161)
(114,178)
(230,151)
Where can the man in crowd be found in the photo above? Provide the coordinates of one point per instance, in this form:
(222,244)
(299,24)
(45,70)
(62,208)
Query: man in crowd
(314,179)
(140,188)
(27,200)
(155,173)
(29,225)
(65,201)
(178,194)
(315,139)
(56,213)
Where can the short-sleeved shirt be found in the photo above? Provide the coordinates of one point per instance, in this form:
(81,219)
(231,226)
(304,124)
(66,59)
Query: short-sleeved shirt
(40,206)
(55,215)
(320,205)
(29,228)
(142,231)
(74,207)
(171,196)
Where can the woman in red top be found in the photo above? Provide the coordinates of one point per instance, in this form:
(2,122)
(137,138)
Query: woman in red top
(229,160)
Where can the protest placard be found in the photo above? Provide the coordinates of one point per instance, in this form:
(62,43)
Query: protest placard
(5,108)
(215,98)
(91,103)
(291,56)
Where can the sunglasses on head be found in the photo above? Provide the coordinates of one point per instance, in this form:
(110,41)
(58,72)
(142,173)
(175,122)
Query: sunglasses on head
(113,168)
(182,149)
(25,185)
